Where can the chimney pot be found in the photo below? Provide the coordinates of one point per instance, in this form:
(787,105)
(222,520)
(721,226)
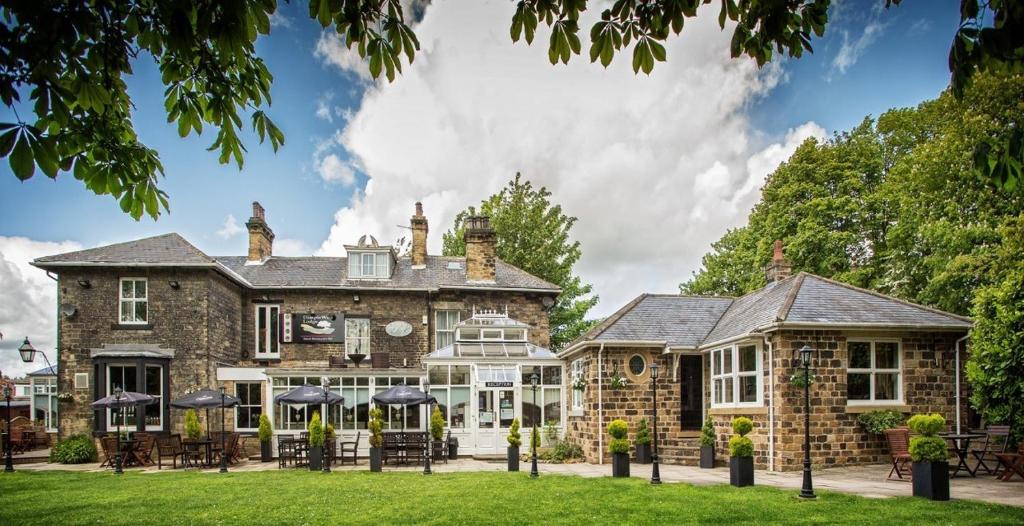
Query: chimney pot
(419,226)
(779,269)
(481,251)
(261,237)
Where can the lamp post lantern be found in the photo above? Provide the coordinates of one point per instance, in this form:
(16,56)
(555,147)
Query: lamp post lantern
(655,472)
(223,436)
(534,380)
(430,438)
(8,460)
(325,383)
(807,491)
(117,398)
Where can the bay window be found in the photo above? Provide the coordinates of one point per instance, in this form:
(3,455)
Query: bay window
(873,373)
(736,379)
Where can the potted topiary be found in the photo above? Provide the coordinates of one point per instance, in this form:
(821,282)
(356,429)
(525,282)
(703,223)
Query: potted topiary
(265,435)
(376,427)
(930,457)
(514,441)
(192,429)
(316,442)
(741,453)
(618,446)
(642,444)
(707,444)
(437,433)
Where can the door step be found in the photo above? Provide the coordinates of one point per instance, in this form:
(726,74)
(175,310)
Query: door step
(490,458)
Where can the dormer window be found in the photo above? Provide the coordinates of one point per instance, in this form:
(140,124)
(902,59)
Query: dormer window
(369,265)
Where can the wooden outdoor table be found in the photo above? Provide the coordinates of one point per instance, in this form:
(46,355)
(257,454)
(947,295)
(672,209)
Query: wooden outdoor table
(206,443)
(962,446)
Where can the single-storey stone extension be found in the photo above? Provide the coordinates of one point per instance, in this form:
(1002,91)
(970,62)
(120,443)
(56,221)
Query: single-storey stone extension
(720,358)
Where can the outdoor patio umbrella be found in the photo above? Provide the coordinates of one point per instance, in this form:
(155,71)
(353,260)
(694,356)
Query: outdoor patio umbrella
(205,399)
(308,394)
(403,395)
(120,400)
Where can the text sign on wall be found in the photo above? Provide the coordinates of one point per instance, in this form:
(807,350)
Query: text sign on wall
(497,384)
(318,328)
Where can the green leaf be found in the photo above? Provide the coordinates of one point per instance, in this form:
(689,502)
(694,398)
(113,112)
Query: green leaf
(21,160)
(7,141)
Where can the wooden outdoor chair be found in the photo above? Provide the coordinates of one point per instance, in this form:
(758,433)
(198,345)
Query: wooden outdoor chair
(391,449)
(109,447)
(1013,462)
(285,450)
(230,446)
(169,446)
(415,447)
(143,451)
(997,439)
(899,453)
(236,452)
(349,448)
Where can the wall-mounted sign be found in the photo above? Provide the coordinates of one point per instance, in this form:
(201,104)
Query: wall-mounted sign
(398,329)
(318,328)
(497,384)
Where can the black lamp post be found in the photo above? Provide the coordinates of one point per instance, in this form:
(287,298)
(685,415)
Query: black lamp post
(117,404)
(807,491)
(326,385)
(534,380)
(430,438)
(655,472)
(8,460)
(223,436)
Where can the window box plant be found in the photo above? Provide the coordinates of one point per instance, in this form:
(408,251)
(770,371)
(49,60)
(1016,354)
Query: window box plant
(877,422)
(437,433)
(930,457)
(316,442)
(265,435)
(643,443)
(376,426)
(579,384)
(741,453)
(618,446)
(514,441)
(707,444)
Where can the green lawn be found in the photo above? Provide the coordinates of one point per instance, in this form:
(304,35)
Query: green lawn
(298,497)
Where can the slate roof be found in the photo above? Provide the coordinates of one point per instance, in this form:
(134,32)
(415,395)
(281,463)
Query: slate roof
(301,272)
(45,371)
(800,300)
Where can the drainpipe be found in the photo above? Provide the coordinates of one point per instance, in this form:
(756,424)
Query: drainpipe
(600,406)
(771,404)
(956,347)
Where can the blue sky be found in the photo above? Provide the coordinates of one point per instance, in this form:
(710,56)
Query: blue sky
(655,168)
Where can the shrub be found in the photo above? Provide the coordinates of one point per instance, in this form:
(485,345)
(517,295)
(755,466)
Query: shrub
(566,450)
(316,430)
(329,432)
(514,438)
(876,422)
(192,429)
(376,427)
(437,424)
(265,433)
(707,433)
(618,445)
(926,425)
(739,444)
(618,429)
(742,425)
(928,447)
(551,432)
(75,449)
(643,433)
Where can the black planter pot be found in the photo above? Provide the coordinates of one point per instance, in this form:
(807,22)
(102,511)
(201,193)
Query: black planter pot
(438,453)
(266,452)
(741,471)
(620,464)
(643,453)
(707,457)
(513,458)
(931,480)
(375,463)
(316,457)
(453,448)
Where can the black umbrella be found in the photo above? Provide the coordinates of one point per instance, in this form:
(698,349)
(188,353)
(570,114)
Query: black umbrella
(120,400)
(308,394)
(403,395)
(205,399)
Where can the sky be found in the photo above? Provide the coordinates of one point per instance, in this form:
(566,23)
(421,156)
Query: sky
(655,168)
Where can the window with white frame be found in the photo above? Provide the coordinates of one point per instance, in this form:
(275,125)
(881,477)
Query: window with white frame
(250,405)
(548,407)
(376,265)
(45,402)
(873,373)
(449,384)
(134,301)
(736,376)
(267,327)
(444,328)
(577,373)
(357,336)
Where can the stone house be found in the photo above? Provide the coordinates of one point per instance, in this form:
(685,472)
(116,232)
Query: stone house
(722,357)
(159,316)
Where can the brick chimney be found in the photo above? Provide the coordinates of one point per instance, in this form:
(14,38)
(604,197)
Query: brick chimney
(779,269)
(419,238)
(261,237)
(480,249)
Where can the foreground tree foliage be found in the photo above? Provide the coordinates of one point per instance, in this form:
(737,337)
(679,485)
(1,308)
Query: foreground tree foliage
(66,62)
(895,206)
(534,235)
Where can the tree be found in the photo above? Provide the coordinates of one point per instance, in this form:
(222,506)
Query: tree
(534,235)
(71,59)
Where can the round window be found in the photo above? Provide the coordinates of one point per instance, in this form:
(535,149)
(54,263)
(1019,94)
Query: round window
(637,365)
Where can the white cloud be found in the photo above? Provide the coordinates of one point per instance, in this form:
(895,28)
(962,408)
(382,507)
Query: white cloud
(632,156)
(29,306)
(332,169)
(278,19)
(332,51)
(291,247)
(851,50)
(231,228)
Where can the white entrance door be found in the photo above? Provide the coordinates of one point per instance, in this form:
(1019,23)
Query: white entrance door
(495,411)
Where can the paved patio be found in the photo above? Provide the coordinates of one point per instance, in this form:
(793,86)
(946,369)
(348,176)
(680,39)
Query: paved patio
(866,481)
